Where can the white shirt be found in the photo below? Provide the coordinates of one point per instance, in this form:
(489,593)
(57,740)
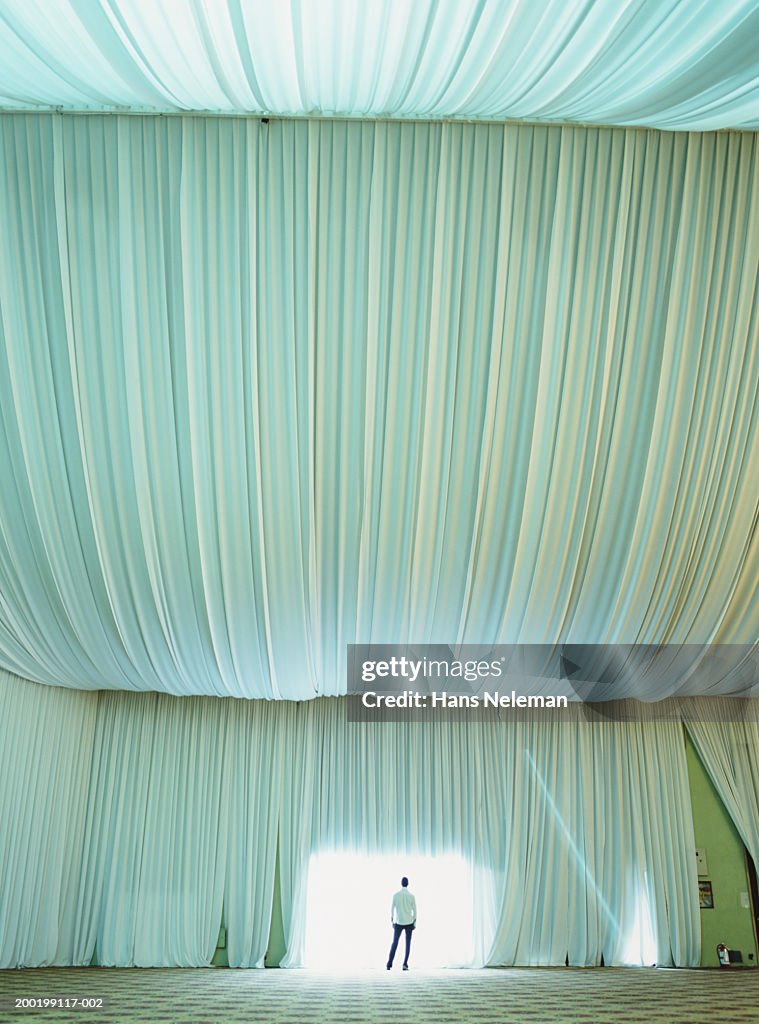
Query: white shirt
(403,910)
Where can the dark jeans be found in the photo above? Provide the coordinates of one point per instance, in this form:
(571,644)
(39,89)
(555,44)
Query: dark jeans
(397,929)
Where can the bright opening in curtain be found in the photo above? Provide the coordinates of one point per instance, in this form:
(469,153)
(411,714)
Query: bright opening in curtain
(349,902)
(640,943)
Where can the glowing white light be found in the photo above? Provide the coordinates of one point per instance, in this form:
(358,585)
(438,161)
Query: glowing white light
(640,943)
(348,910)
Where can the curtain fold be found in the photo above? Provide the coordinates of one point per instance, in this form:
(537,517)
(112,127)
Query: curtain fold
(46,739)
(182,822)
(182,874)
(111,863)
(257,759)
(156,841)
(270,389)
(130,823)
(727,741)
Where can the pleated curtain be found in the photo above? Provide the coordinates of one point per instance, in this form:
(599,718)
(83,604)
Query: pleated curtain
(133,824)
(46,742)
(572,825)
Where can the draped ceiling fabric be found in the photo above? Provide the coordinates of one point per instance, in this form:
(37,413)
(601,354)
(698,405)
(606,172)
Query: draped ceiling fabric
(689,65)
(269,389)
(133,819)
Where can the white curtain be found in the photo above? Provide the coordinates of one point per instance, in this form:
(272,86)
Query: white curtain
(46,737)
(726,735)
(664,63)
(132,820)
(270,389)
(155,844)
(580,831)
(603,811)
(109,880)
(183,821)
(258,755)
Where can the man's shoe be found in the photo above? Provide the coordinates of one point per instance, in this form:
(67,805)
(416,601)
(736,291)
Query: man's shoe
(405,967)
(388,966)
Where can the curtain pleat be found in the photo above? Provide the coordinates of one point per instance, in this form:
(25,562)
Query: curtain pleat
(257,757)
(728,744)
(46,742)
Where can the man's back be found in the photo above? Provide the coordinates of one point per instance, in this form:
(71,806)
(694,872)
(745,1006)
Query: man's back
(404,907)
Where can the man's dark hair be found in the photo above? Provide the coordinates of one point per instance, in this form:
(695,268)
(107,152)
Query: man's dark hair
(404,881)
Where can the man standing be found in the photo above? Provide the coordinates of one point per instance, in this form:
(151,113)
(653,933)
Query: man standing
(403,919)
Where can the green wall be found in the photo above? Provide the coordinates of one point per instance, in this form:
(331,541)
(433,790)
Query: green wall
(728,922)
(220,958)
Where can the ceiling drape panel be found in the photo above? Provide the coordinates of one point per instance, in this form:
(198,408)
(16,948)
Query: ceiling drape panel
(269,389)
(662,63)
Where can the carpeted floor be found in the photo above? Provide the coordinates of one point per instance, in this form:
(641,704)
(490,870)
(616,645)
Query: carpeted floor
(535,996)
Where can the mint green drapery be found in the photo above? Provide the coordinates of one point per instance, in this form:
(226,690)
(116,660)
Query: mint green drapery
(687,64)
(155,839)
(182,820)
(46,738)
(128,819)
(266,390)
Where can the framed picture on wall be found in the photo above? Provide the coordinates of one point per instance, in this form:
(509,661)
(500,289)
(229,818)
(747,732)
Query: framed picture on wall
(705,895)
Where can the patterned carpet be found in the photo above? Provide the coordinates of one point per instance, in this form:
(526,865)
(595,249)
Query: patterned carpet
(535,996)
